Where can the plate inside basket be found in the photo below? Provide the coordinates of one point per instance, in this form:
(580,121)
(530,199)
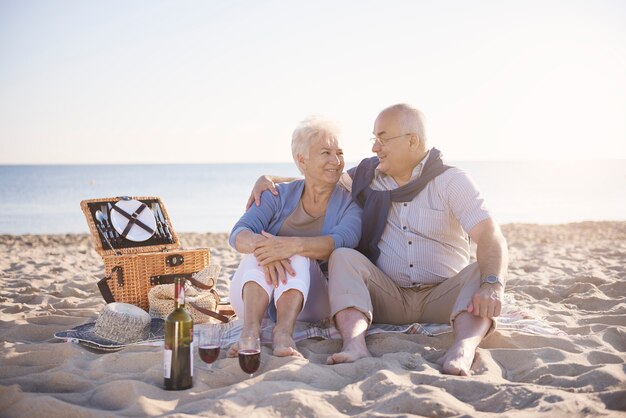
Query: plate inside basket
(136,232)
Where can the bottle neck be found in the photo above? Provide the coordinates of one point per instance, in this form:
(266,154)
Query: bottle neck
(179,294)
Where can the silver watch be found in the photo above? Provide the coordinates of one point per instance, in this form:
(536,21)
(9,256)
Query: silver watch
(491,279)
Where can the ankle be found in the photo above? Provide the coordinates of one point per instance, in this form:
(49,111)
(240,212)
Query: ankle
(281,330)
(354,344)
(251,331)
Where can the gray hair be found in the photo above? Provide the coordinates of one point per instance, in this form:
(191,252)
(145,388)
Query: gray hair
(311,128)
(410,119)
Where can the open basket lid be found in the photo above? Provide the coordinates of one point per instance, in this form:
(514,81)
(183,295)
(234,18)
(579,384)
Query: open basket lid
(129,225)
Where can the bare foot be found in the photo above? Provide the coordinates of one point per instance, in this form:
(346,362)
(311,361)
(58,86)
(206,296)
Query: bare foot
(233,351)
(348,355)
(284,345)
(458,360)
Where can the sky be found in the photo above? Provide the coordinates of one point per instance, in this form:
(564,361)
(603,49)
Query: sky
(90,82)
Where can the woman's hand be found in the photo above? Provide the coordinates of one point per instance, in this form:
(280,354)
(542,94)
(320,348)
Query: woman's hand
(272,253)
(276,271)
(274,248)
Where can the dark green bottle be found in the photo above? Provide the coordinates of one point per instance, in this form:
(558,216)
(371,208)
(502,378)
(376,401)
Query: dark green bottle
(178,347)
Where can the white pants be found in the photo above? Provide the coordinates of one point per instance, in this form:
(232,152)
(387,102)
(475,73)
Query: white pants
(308,280)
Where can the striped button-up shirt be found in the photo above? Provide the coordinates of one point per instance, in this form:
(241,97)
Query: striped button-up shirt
(425,240)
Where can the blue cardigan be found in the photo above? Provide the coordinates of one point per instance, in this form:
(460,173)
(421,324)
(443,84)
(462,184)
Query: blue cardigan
(342,220)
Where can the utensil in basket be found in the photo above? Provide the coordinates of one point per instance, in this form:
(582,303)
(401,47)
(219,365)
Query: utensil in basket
(101,223)
(108,225)
(166,227)
(101,228)
(160,228)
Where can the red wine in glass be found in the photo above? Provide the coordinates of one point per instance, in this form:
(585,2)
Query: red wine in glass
(249,360)
(209,344)
(209,353)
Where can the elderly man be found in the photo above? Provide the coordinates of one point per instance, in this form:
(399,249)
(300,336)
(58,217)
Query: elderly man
(413,263)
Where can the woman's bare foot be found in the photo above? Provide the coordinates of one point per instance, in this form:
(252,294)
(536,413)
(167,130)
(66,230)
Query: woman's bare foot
(458,360)
(284,345)
(233,351)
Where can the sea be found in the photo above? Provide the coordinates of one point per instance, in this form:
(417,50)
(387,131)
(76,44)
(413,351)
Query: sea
(45,199)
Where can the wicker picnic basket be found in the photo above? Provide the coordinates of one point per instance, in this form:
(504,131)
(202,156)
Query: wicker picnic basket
(133,268)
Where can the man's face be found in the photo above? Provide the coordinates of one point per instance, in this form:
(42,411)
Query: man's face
(392,146)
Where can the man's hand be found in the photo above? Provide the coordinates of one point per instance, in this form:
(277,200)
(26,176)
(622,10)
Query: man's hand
(262,184)
(276,271)
(487,301)
(492,256)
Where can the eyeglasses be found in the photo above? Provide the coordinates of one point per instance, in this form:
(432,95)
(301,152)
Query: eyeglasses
(382,142)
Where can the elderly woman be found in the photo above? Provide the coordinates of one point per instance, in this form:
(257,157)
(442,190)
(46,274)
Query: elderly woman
(287,238)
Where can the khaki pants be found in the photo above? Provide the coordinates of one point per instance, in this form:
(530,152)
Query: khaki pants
(354,282)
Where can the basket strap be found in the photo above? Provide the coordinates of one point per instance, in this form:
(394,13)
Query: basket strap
(170,278)
(103,284)
(132,219)
(105,291)
(213,314)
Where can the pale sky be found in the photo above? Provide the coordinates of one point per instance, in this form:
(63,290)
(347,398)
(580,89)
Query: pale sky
(154,81)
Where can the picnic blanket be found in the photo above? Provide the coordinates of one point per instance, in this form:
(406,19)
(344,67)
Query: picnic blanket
(514,320)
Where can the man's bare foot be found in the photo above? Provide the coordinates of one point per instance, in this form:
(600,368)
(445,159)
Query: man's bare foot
(458,359)
(348,355)
(284,345)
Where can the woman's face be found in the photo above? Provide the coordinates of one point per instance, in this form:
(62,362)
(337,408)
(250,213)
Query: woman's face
(324,162)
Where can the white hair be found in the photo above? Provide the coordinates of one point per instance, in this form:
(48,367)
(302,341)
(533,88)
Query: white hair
(311,128)
(410,119)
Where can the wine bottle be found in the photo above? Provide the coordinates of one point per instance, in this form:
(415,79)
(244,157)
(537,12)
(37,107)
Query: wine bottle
(178,347)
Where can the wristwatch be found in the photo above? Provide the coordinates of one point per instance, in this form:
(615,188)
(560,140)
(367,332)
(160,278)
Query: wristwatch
(491,279)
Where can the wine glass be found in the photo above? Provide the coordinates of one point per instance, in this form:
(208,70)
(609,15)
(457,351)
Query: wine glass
(209,344)
(249,354)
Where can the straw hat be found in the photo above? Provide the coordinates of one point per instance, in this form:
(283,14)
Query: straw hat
(118,325)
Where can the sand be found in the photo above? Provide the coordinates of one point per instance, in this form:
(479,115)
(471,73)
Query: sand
(571,277)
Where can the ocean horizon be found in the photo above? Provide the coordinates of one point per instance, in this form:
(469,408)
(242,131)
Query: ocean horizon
(45,199)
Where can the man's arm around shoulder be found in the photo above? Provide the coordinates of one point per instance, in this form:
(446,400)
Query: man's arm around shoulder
(263,183)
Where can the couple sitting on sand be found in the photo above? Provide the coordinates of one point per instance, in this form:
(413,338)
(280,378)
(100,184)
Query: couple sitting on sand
(410,218)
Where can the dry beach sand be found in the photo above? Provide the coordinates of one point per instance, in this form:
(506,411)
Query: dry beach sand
(570,277)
